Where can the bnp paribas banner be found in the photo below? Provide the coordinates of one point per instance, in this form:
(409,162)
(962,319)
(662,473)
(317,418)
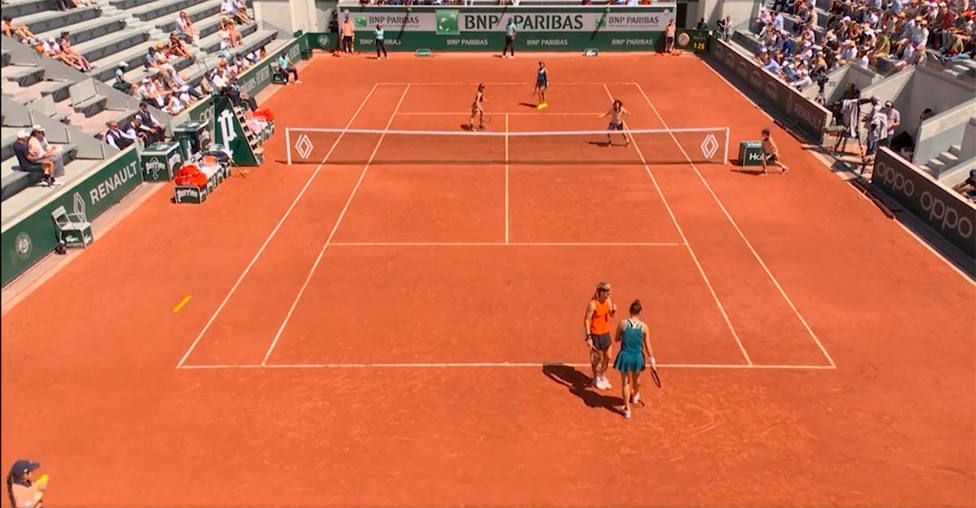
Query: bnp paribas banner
(537,28)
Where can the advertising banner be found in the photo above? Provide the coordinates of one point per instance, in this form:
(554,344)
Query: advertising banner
(32,237)
(537,28)
(944,210)
(801,113)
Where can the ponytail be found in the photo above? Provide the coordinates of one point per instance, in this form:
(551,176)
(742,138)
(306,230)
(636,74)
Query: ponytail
(10,489)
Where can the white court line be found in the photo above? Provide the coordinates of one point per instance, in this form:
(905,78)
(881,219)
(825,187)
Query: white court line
(506,178)
(742,235)
(462,365)
(513,113)
(247,269)
(684,240)
(526,84)
(507,244)
(335,227)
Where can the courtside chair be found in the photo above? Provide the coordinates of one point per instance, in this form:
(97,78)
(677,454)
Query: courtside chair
(72,229)
(278,76)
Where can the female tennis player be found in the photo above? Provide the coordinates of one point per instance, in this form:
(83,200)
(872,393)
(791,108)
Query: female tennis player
(478,108)
(616,115)
(635,347)
(541,84)
(596,331)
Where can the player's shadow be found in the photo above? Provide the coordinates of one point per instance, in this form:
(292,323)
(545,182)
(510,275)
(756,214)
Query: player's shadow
(751,172)
(529,105)
(578,385)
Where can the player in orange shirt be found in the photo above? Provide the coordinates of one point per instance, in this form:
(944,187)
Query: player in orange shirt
(596,330)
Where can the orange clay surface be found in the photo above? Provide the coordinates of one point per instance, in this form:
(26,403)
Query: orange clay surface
(386,386)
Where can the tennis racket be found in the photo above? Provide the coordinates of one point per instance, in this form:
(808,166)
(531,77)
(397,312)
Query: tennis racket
(655,377)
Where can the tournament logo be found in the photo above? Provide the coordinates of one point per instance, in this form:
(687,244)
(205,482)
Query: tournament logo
(447,22)
(23,245)
(304,146)
(323,41)
(361,22)
(709,146)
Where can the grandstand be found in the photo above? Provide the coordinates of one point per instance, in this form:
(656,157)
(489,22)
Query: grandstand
(942,84)
(38,89)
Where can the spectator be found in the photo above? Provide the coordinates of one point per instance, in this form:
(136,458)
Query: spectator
(725,27)
(968,187)
(20,32)
(186,29)
(119,138)
(702,25)
(178,49)
(121,84)
(41,149)
(148,124)
(22,489)
(65,42)
(229,36)
(243,16)
(150,93)
(27,161)
(894,121)
(52,49)
(286,67)
(232,9)
(151,59)
(237,97)
(174,105)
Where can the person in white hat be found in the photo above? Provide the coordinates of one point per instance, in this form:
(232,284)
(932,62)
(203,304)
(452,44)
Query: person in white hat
(27,161)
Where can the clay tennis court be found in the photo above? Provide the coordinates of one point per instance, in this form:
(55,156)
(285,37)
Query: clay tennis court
(406,331)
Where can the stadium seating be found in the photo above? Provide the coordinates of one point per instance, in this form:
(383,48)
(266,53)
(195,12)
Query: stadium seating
(108,33)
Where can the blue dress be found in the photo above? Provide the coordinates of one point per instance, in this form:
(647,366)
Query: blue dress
(541,79)
(631,355)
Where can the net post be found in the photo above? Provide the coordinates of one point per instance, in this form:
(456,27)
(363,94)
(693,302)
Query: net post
(725,157)
(288,144)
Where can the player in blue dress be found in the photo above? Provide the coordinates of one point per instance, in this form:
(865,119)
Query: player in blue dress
(541,84)
(635,348)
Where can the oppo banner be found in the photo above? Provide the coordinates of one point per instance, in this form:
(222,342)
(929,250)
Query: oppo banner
(944,210)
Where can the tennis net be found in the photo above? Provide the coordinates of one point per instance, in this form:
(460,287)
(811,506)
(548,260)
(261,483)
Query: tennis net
(409,147)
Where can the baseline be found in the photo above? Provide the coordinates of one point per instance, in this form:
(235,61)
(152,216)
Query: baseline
(460,365)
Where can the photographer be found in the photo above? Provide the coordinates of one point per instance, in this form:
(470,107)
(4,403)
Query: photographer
(819,76)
